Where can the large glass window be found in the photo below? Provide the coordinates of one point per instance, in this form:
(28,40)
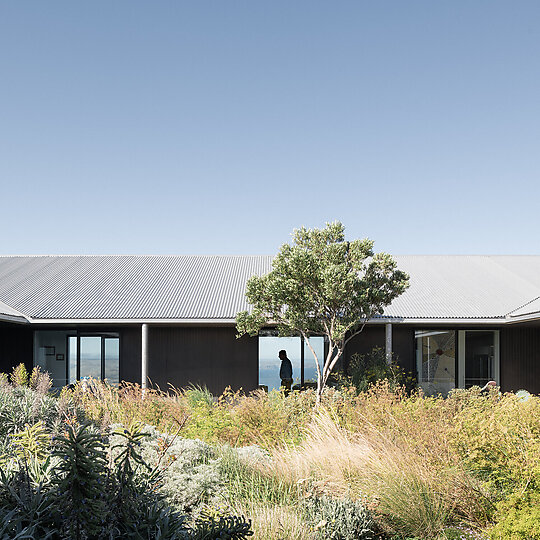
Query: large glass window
(90,357)
(447,358)
(269,363)
(112,359)
(310,369)
(95,356)
(298,352)
(436,360)
(479,357)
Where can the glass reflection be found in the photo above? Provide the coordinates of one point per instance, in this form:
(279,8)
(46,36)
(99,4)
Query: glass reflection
(436,360)
(112,360)
(269,363)
(72,359)
(90,356)
(310,368)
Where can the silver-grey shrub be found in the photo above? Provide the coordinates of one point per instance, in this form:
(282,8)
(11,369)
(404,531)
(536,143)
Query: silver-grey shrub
(338,519)
(191,475)
(22,405)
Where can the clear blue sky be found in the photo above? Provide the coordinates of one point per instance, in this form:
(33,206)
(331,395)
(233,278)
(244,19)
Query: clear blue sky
(218,127)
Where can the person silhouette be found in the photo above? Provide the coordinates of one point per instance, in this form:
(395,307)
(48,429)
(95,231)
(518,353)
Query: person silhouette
(285,372)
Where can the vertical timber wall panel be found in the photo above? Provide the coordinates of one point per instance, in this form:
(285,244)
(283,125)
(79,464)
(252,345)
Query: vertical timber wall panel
(130,354)
(404,348)
(207,356)
(16,347)
(520,359)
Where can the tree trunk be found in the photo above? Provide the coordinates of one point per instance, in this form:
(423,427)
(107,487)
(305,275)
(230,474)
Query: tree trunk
(329,364)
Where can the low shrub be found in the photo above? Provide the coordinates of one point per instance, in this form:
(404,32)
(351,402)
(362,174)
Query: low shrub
(338,519)
(27,401)
(97,488)
(518,517)
(364,370)
(497,437)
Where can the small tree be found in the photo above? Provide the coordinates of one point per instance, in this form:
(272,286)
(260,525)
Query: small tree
(322,285)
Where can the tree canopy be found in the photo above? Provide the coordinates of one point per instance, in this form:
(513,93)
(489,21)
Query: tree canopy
(322,285)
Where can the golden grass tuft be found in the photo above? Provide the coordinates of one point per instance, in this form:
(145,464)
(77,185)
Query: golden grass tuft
(408,493)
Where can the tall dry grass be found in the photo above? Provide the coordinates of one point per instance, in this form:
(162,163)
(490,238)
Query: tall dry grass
(106,404)
(274,522)
(421,463)
(409,494)
(232,418)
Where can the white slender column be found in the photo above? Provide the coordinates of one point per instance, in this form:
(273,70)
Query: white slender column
(144,356)
(388,343)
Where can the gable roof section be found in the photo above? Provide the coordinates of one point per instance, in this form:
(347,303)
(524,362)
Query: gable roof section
(212,288)
(9,314)
(530,311)
(128,287)
(466,286)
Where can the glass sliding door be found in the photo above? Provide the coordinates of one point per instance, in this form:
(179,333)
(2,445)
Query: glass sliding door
(90,357)
(310,369)
(298,352)
(478,357)
(436,360)
(447,359)
(111,350)
(269,363)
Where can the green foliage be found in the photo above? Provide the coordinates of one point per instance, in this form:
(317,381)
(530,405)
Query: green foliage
(228,527)
(427,464)
(198,396)
(518,517)
(412,507)
(25,509)
(79,479)
(32,443)
(365,370)
(497,437)
(19,376)
(253,484)
(21,406)
(322,285)
(338,519)
(95,489)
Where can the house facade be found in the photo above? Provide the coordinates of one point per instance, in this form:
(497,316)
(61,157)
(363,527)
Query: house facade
(169,320)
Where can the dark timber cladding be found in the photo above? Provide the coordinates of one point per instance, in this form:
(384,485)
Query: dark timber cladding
(209,356)
(16,344)
(520,359)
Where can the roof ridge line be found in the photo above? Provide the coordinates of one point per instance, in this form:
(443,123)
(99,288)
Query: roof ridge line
(522,306)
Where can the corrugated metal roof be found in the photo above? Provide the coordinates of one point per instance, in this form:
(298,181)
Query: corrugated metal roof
(528,309)
(213,287)
(466,286)
(7,313)
(129,287)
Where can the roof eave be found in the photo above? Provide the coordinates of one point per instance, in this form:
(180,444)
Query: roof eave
(528,317)
(4,317)
(199,321)
(230,321)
